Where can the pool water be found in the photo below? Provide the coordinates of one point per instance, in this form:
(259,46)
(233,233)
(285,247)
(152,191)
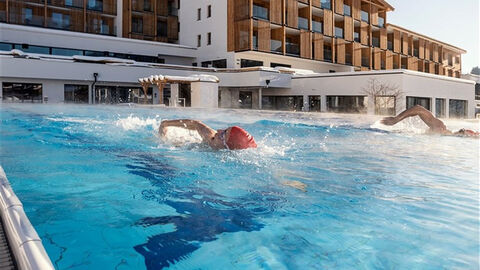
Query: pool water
(321,191)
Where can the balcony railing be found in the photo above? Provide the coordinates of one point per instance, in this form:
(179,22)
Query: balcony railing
(338,32)
(255,43)
(95,5)
(376,42)
(260,12)
(317,27)
(348,59)
(63,24)
(415,52)
(276,46)
(292,48)
(302,23)
(172,10)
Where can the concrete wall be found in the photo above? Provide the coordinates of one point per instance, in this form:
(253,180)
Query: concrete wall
(204,95)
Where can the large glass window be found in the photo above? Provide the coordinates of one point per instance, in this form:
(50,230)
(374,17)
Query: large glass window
(75,93)
(458,108)
(118,94)
(250,63)
(385,105)
(314,103)
(245,99)
(422,101)
(282,103)
(22,92)
(32,49)
(219,63)
(5,46)
(440,107)
(66,52)
(347,104)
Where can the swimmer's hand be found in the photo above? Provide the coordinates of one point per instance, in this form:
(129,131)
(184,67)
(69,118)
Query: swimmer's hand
(389,121)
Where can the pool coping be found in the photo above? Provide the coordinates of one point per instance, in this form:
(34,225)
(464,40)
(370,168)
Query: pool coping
(24,242)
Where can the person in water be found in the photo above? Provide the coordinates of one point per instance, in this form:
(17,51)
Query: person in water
(232,138)
(436,125)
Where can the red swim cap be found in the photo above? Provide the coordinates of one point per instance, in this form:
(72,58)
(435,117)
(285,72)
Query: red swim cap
(240,139)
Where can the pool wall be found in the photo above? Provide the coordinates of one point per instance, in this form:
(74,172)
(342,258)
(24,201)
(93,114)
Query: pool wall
(24,241)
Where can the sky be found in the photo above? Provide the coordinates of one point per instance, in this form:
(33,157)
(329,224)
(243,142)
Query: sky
(455,22)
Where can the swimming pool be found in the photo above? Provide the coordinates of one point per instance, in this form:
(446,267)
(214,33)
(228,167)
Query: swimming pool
(104,192)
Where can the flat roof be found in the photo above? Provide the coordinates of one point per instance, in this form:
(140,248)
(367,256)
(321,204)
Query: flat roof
(462,51)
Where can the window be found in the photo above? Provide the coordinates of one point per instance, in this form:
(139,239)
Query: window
(199,14)
(95,5)
(458,108)
(250,63)
(5,46)
(207,64)
(245,99)
(385,105)
(194,64)
(162,29)
(365,16)
(22,92)
(32,49)
(137,25)
(326,4)
(347,104)
(219,63)
(422,101)
(347,10)
(209,11)
(66,52)
(282,103)
(440,107)
(209,38)
(199,41)
(314,103)
(279,65)
(76,93)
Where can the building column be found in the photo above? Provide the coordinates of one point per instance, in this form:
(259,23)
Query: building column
(119,18)
(306,104)
(433,106)
(260,98)
(174,92)
(323,103)
(447,108)
(90,95)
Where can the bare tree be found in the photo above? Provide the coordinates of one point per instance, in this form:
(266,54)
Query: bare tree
(385,96)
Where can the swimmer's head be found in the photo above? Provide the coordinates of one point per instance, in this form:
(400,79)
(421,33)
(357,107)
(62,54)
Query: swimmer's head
(236,138)
(467,133)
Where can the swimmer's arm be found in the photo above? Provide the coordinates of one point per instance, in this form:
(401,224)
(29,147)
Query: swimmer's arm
(431,121)
(205,131)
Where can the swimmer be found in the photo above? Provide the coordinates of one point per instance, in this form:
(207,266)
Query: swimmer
(436,125)
(232,138)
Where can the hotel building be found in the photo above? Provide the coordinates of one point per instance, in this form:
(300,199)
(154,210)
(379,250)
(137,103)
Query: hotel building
(69,49)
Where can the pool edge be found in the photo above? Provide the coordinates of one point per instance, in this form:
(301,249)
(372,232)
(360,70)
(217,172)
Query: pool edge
(24,242)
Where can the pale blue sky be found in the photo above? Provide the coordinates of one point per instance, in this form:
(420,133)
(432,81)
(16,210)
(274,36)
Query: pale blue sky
(455,22)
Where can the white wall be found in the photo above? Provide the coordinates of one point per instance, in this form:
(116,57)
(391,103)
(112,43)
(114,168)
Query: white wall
(190,28)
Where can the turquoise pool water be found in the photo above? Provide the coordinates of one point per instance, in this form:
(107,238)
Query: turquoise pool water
(104,192)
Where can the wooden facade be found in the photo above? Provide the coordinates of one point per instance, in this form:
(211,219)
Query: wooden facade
(98,17)
(345,37)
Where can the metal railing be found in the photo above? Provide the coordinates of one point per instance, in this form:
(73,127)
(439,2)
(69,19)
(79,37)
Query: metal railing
(276,46)
(317,27)
(260,12)
(292,48)
(302,23)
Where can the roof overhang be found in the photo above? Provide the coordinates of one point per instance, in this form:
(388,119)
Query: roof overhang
(381,4)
